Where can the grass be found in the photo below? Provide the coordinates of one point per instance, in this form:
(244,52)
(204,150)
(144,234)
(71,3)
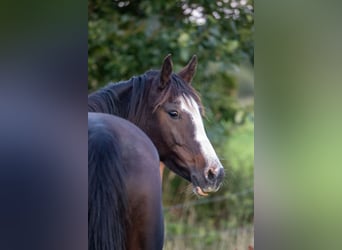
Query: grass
(229,239)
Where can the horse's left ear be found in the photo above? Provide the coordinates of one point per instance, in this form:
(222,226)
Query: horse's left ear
(188,72)
(166,71)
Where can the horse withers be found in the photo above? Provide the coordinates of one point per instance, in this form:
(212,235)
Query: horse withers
(168,109)
(124,193)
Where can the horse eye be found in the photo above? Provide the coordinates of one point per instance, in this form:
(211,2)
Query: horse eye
(173,114)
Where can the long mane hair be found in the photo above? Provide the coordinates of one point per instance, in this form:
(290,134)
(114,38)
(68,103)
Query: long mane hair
(133,106)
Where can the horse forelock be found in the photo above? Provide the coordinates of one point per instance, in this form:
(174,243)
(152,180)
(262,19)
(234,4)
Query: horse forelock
(177,88)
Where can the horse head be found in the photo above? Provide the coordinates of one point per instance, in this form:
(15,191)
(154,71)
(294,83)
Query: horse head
(176,128)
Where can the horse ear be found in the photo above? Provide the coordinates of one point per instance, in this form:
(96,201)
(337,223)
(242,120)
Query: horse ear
(166,71)
(188,72)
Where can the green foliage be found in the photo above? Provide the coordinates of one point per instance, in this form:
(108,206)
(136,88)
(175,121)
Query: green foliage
(136,37)
(127,38)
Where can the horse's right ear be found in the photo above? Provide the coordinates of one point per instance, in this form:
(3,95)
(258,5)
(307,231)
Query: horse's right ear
(166,71)
(188,72)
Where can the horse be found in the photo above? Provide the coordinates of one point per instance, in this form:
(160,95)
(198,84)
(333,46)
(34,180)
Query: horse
(166,107)
(124,207)
(169,110)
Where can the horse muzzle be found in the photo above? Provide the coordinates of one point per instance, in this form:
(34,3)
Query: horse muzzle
(210,182)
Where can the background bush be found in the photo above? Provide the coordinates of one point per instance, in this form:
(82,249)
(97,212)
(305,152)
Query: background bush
(127,38)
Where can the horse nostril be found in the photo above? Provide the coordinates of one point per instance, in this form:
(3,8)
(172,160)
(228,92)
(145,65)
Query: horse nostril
(211,174)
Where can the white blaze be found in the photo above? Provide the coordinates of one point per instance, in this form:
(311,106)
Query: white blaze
(190,106)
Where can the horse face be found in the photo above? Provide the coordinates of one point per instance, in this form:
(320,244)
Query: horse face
(181,138)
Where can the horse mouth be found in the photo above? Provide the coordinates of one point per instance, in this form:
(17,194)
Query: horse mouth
(203,190)
(196,187)
(199,191)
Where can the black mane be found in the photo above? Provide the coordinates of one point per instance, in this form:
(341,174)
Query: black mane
(133,104)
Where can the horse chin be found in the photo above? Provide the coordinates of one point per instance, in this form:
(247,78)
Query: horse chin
(199,187)
(204,191)
(198,191)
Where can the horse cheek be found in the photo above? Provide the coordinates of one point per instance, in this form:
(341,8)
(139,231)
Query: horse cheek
(177,138)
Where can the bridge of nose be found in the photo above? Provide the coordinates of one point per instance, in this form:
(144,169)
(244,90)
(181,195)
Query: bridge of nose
(189,106)
(211,174)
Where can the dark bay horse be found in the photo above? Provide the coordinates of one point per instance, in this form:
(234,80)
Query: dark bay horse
(165,106)
(124,203)
(168,109)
